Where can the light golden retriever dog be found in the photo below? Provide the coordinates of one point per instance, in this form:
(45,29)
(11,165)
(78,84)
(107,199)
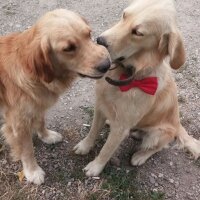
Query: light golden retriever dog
(36,66)
(148,40)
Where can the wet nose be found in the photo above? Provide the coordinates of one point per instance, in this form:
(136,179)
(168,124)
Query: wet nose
(102,41)
(104,66)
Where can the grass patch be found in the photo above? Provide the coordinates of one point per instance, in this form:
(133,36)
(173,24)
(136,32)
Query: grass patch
(157,196)
(122,185)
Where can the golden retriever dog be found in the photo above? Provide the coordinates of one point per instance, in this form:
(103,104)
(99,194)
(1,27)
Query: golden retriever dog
(36,66)
(147,40)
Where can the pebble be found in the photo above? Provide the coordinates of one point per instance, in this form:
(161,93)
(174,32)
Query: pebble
(153,175)
(18,25)
(171,180)
(152,180)
(96,177)
(86,125)
(69,183)
(156,184)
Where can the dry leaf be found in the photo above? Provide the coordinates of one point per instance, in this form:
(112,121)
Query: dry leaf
(20,176)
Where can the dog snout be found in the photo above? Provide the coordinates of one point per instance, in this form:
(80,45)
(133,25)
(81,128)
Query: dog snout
(102,41)
(104,66)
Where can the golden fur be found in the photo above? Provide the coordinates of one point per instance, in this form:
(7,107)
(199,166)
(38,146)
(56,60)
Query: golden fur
(36,66)
(148,38)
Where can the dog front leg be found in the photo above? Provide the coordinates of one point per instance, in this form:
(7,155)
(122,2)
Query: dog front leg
(85,145)
(18,134)
(116,136)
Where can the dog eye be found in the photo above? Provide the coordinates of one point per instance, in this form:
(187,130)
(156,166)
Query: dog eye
(70,48)
(136,32)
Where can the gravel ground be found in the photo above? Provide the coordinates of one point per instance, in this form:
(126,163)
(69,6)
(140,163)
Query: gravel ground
(170,172)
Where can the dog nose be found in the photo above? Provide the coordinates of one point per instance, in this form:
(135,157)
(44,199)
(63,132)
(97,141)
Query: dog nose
(104,66)
(102,41)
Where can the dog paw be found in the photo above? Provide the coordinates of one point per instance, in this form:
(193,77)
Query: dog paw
(52,137)
(35,176)
(93,168)
(83,147)
(138,160)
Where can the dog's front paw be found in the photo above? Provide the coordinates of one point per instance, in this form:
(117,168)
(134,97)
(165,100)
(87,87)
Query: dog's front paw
(138,159)
(52,137)
(93,168)
(83,147)
(35,176)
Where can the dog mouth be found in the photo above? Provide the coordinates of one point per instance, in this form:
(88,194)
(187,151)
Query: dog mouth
(88,76)
(120,59)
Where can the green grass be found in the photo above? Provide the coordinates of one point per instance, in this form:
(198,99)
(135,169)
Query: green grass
(124,186)
(157,196)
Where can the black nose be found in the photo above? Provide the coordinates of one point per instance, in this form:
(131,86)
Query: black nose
(104,66)
(101,41)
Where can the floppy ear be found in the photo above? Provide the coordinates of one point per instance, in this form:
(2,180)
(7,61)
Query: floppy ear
(39,62)
(172,44)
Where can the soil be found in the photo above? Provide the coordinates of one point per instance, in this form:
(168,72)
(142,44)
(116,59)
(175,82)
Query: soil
(171,171)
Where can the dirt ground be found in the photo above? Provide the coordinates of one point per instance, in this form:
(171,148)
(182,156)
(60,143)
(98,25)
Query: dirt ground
(170,174)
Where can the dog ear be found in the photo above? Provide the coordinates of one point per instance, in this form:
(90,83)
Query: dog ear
(172,44)
(39,62)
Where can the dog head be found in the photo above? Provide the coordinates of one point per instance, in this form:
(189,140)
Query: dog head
(145,35)
(61,41)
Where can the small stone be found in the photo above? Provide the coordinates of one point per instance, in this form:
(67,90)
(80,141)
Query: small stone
(153,175)
(69,184)
(96,177)
(171,163)
(86,125)
(160,175)
(18,25)
(152,180)
(171,180)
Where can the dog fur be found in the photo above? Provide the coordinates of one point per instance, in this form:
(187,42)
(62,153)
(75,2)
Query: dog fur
(147,38)
(36,66)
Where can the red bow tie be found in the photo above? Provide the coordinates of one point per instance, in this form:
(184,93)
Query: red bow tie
(148,85)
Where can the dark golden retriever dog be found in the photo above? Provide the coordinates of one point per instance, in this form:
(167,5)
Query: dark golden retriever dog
(36,66)
(148,40)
